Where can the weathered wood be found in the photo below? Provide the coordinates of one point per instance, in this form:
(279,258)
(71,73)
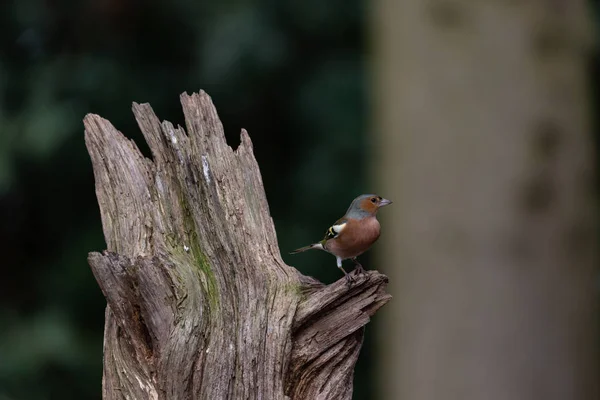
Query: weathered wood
(200,303)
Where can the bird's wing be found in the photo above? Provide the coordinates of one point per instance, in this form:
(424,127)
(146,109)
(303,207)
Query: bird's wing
(335,229)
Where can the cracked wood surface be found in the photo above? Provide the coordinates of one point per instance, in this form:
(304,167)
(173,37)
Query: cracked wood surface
(200,303)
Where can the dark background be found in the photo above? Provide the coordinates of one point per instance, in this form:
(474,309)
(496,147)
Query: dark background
(293,73)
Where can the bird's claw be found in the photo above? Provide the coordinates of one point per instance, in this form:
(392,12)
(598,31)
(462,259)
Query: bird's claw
(349,280)
(359,270)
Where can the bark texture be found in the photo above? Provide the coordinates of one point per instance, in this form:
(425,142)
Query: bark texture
(484,131)
(200,303)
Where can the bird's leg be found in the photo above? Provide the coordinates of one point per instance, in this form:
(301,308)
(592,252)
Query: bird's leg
(349,279)
(359,268)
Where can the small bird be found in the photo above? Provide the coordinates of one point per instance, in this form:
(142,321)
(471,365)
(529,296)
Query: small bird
(354,233)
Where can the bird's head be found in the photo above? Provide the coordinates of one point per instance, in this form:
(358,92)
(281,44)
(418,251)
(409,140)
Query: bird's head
(366,205)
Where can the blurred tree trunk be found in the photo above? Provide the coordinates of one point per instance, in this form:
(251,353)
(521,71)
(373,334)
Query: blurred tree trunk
(485,147)
(200,303)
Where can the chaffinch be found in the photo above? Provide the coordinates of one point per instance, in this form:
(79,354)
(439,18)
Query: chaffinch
(354,233)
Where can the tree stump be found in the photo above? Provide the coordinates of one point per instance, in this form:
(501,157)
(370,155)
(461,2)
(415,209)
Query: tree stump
(200,303)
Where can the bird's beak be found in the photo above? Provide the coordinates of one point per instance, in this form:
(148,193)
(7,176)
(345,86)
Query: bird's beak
(384,202)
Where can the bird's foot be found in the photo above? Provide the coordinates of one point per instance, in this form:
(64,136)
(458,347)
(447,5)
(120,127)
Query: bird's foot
(359,270)
(349,280)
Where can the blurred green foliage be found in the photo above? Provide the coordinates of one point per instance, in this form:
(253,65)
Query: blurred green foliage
(292,73)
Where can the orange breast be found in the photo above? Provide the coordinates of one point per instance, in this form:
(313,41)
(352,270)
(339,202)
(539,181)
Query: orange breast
(356,238)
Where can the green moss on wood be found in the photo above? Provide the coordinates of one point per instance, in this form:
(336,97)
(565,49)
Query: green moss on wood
(211,289)
(195,257)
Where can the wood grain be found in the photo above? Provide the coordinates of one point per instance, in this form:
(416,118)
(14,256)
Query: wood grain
(200,303)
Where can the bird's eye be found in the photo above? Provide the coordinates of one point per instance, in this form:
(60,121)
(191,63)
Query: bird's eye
(373,199)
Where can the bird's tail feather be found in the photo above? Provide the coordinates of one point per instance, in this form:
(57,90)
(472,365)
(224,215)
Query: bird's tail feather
(318,246)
